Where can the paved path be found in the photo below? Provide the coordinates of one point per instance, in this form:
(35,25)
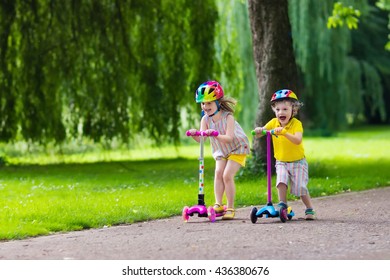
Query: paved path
(350,226)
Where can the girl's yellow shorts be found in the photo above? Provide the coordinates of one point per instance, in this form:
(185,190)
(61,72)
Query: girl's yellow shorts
(241,159)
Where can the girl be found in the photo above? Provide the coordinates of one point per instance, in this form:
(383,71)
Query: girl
(291,164)
(229,148)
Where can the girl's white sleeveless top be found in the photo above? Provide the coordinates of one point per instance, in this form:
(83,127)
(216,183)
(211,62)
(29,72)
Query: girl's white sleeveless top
(240,144)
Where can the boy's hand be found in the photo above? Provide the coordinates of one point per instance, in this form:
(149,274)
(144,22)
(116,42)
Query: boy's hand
(259,130)
(279,131)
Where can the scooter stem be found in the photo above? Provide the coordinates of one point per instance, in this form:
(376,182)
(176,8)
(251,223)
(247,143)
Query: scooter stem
(201,165)
(269,166)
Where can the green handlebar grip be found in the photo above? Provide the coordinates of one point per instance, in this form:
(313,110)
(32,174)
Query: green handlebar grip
(264,131)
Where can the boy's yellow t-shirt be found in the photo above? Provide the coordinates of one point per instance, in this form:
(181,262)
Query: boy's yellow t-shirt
(284,149)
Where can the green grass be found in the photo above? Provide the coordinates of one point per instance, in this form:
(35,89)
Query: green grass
(46,193)
(356,160)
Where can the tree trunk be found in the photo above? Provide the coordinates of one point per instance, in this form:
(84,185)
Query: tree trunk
(274,60)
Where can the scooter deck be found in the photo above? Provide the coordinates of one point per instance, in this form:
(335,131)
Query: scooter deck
(269,211)
(201,210)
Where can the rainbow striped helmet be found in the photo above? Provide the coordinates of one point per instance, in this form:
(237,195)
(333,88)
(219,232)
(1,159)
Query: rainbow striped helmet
(282,94)
(208,91)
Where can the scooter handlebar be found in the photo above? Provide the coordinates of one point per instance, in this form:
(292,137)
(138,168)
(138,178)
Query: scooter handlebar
(203,133)
(264,131)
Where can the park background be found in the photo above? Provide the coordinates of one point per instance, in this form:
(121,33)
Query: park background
(96,97)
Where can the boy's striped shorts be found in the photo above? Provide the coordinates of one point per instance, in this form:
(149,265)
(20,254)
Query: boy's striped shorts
(294,174)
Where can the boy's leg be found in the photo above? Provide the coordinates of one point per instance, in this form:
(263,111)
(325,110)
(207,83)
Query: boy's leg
(282,192)
(299,181)
(309,212)
(282,179)
(307,201)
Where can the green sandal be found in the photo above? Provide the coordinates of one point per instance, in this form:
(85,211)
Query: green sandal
(310,214)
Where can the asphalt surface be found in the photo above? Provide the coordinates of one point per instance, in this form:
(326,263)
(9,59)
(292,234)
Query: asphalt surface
(352,226)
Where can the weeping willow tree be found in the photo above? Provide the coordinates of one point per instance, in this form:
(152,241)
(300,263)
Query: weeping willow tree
(235,59)
(374,63)
(101,69)
(340,81)
(321,54)
(339,87)
(111,69)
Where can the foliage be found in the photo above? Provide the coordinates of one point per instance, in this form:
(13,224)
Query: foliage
(320,61)
(342,14)
(385,5)
(350,15)
(39,199)
(235,57)
(101,69)
(341,85)
(373,62)
(109,71)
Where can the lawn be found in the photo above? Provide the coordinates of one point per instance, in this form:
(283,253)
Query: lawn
(42,193)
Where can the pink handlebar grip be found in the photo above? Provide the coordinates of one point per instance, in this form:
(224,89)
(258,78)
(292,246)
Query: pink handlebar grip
(188,133)
(213,134)
(203,133)
(197,133)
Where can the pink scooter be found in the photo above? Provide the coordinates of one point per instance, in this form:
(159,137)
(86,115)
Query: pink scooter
(201,208)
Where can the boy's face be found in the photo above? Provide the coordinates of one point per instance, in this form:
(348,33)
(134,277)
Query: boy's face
(283,111)
(209,107)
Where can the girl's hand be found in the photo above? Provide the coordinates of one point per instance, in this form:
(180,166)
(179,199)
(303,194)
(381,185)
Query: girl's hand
(192,131)
(210,132)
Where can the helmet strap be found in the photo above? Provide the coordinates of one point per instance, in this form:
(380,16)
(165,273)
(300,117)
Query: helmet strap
(218,108)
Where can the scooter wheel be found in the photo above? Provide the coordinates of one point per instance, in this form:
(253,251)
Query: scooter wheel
(253,215)
(211,214)
(283,214)
(184,214)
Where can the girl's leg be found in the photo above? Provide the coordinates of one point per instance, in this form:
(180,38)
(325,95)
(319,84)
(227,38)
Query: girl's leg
(228,179)
(219,187)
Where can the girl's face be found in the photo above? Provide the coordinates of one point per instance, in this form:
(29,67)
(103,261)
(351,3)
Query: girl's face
(283,111)
(209,107)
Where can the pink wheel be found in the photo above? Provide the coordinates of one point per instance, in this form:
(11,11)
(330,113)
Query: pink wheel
(211,214)
(184,214)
